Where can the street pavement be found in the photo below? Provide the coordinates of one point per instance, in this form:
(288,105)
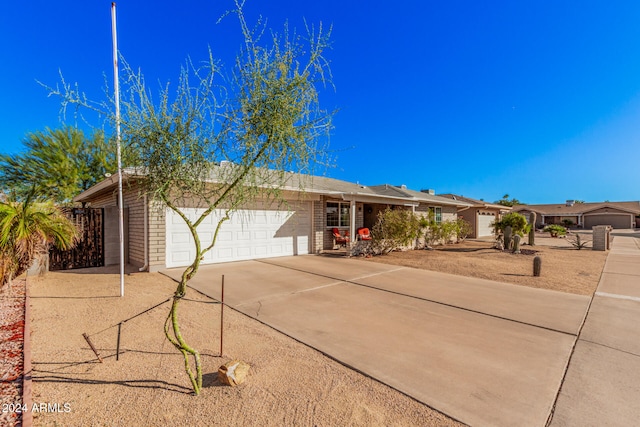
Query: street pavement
(602,385)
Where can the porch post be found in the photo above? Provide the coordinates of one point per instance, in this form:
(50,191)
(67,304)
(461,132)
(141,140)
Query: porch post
(352,225)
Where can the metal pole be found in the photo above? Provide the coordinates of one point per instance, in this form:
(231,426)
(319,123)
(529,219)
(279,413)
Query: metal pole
(221,315)
(116,87)
(86,337)
(118,343)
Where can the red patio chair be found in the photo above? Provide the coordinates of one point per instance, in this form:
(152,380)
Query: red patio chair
(364,234)
(338,239)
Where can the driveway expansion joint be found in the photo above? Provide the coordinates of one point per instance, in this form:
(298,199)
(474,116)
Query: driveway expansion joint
(610,347)
(284,294)
(617,296)
(353,282)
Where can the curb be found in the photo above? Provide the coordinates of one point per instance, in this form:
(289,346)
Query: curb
(27,416)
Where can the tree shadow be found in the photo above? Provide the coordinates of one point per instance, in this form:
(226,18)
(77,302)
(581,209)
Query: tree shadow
(40,376)
(72,297)
(109,269)
(463,250)
(571,248)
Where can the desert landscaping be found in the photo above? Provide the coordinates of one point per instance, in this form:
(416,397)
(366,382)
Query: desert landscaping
(564,268)
(288,384)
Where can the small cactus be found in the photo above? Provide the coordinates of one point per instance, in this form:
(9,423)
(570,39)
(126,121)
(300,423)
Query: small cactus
(532,232)
(507,237)
(516,244)
(537,266)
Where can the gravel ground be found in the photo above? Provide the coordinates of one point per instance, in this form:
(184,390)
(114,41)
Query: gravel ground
(11,344)
(288,384)
(564,268)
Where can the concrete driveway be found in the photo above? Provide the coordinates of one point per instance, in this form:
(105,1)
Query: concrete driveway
(482,352)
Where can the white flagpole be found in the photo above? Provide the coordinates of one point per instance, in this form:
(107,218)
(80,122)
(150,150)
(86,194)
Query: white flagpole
(118,153)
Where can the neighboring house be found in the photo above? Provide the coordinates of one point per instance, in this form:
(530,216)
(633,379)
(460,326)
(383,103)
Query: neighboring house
(481,215)
(157,238)
(585,215)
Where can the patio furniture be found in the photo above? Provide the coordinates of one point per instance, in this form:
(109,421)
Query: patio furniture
(364,234)
(339,239)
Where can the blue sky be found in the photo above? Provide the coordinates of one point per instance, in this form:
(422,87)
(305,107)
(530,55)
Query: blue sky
(540,100)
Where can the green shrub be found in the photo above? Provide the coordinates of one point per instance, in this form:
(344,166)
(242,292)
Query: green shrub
(449,230)
(463,229)
(445,231)
(518,223)
(555,230)
(394,229)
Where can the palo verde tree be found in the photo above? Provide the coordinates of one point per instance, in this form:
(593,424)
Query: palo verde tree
(223,140)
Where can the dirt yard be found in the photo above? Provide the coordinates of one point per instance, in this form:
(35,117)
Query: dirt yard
(564,268)
(288,384)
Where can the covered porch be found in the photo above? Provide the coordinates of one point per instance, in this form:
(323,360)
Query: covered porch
(351,212)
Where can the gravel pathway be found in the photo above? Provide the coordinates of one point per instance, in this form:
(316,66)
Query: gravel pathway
(12,299)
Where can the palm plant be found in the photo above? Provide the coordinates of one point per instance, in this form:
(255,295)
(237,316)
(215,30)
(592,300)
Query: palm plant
(27,228)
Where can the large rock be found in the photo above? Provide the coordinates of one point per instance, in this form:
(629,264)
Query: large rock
(233,373)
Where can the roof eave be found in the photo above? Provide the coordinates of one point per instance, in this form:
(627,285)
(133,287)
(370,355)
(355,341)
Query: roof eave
(98,188)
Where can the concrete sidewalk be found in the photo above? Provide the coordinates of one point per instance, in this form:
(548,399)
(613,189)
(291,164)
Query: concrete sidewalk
(482,352)
(602,385)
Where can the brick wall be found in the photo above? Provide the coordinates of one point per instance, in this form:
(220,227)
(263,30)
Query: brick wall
(318,226)
(600,237)
(449,213)
(157,236)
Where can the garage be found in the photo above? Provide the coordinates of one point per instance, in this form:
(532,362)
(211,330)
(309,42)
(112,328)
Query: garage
(263,232)
(485,221)
(614,220)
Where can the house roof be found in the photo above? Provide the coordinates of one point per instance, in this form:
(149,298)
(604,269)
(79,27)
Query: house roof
(564,209)
(420,195)
(311,184)
(475,202)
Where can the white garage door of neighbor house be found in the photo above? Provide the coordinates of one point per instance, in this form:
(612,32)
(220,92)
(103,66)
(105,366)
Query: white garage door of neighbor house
(484,224)
(249,234)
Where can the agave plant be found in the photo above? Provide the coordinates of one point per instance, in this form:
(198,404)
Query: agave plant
(27,228)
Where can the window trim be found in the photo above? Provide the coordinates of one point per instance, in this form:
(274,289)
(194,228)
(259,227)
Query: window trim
(340,205)
(435,210)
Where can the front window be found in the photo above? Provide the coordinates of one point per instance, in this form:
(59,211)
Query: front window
(337,214)
(437,214)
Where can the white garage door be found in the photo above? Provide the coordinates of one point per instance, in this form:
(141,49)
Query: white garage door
(484,224)
(249,234)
